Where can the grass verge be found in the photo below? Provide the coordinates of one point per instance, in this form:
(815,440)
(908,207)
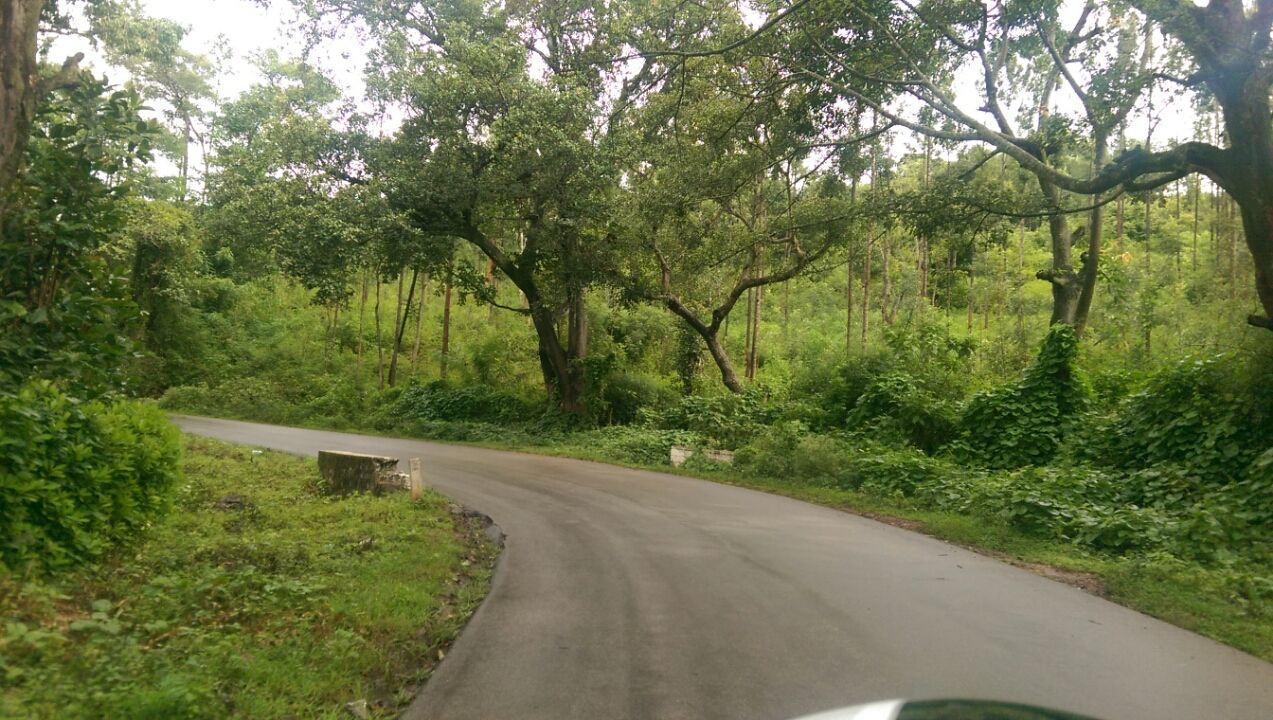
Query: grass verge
(254,598)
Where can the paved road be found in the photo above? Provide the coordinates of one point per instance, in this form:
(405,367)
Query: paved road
(629,594)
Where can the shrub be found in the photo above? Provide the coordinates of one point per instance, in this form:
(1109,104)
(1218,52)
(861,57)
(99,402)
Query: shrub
(904,473)
(836,388)
(893,405)
(247,398)
(440,401)
(644,446)
(1209,416)
(789,451)
(619,397)
(76,478)
(729,421)
(1024,424)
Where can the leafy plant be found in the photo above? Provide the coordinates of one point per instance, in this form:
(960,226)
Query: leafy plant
(1210,416)
(1025,424)
(77,478)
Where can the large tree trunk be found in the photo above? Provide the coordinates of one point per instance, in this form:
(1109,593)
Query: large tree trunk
(19,86)
(1229,44)
(1095,232)
(1246,120)
(563,373)
(1066,285)
(712,340)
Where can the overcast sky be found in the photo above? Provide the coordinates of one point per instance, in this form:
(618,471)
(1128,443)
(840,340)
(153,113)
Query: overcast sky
(249,28)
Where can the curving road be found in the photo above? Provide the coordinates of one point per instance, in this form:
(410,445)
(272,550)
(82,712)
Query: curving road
(630,594)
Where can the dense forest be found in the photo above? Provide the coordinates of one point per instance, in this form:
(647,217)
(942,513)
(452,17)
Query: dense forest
(939,253)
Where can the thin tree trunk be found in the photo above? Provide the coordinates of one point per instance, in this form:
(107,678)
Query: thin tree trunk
(886,295)
(1197,194)
(401,329)
(866,287)
(972,283)
(849,281)
(446,325)
(419,324)
(1231,231)
(380,345)
(753,360)
(1020,283)
(362,322)
(397,322)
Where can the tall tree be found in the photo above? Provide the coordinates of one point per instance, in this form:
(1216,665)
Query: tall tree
(505,147)
(1226,43)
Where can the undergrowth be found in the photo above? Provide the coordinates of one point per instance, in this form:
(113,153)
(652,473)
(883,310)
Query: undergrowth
(254,598)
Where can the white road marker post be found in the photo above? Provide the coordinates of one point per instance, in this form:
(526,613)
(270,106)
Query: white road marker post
(417,478)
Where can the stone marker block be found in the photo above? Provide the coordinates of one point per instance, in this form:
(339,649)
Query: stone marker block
(720,456)
(346,473)
(681,454)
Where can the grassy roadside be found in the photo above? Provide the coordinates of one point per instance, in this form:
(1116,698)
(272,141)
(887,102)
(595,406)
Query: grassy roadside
(1206,600)
(254,598)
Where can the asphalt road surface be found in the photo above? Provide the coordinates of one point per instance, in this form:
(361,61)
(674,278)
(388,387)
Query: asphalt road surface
(630,594)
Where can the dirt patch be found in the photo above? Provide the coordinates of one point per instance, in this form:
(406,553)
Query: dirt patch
(912,525)
(1085,581)
(1089,582)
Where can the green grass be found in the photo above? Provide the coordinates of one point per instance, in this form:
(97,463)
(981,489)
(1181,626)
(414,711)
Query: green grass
(289,608)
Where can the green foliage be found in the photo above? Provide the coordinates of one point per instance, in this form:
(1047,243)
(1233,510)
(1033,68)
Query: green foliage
(617,397)
(331,601)
(900,473)
(727,421)
(895,405)
(637,445)
(788,451)
(64,311)
(249,398)
(441,401)
(1212,417)
(78,478)
(1025,424)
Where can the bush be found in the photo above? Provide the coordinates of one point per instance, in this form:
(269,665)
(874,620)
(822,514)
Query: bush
(894,406)
(1024,424)
(727,421)
(904,473)
(1212,417)
(619,397)
(77,478)
(790,452)
(643,446)
(440,401)
(246,398)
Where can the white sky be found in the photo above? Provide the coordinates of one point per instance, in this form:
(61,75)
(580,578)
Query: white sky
(249,29)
